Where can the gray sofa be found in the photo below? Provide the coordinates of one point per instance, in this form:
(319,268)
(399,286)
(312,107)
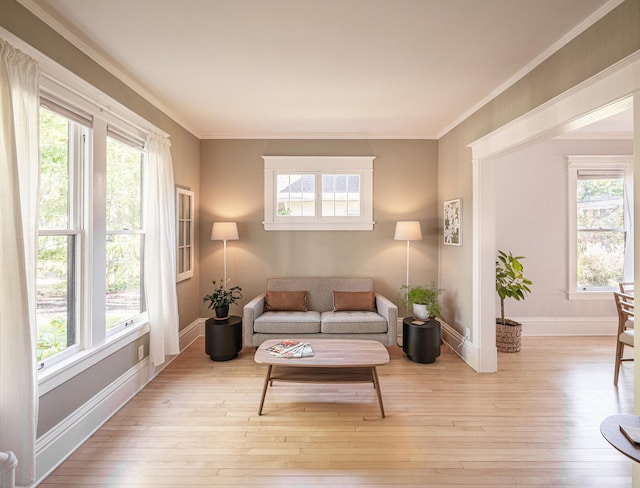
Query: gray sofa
(320,320)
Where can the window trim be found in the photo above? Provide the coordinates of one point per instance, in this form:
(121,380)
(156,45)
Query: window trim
(319,165)
(64,87)
(576,163)
(184,195)
(134,144)
(77,151)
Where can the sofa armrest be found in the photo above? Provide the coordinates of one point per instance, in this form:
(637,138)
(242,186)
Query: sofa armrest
(389,311)
(250,312)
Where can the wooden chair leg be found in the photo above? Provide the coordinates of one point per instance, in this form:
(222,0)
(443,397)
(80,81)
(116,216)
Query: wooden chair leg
(619,353)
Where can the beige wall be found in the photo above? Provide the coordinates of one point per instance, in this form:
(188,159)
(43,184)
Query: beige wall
(232,188)
(611,39)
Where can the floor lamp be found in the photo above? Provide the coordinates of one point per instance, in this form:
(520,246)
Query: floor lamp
(408,231)
(224,231)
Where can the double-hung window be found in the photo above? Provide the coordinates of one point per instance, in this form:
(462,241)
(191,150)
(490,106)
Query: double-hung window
(89,280)
(600,215)
(63,153)
(318,193)
(124,234)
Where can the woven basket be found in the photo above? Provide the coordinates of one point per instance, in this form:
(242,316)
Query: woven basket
(508,337)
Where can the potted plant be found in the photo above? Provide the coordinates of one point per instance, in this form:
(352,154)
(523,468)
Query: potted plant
(510,283)
(222,297)
(424,300)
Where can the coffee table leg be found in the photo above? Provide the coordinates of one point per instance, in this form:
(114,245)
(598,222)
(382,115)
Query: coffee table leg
(264,388)
(376,386)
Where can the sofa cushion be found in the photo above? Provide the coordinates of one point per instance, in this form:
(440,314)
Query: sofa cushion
(353,322)
(290,301)
(360,301)
(288,323)
(320,290)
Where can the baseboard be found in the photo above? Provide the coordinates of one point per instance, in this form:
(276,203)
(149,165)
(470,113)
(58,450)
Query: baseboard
(58,443)
(458,344)
(61,441)
(191,332)
(568,326)
(532,326)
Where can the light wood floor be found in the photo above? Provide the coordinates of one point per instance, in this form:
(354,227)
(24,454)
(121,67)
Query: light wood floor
(535,423)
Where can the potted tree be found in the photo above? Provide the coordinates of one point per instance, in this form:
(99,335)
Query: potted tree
(221,298)
(510,283)
(424,300)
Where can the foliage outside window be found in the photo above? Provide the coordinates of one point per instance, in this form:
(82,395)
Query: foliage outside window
(597,218)
(600,231)
(62,150)
(318,193)
(90,231)
(125,239)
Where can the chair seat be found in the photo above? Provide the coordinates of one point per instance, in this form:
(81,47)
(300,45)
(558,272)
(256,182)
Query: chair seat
(627,337)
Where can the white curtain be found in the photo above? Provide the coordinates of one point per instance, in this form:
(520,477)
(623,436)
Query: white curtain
(627,270)
(19,167)
(160,250)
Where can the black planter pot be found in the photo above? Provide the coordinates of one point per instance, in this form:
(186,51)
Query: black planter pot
(222,312)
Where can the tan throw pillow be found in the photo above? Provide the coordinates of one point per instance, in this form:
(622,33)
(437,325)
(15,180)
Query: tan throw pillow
(357,301)
(291,301)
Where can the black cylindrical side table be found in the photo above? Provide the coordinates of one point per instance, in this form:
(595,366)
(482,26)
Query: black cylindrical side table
(223,338)
(421,343)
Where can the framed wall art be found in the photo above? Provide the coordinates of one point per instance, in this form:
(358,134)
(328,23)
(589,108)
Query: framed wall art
(453,222)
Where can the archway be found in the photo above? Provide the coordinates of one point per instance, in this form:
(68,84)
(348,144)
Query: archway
(609,92)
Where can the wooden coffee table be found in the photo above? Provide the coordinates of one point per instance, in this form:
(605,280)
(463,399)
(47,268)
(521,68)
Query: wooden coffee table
(333,361)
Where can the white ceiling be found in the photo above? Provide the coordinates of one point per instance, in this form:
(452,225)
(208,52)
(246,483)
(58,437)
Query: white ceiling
(319,68)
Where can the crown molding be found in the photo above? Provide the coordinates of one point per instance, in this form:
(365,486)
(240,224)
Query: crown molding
(321,135)
(108,64)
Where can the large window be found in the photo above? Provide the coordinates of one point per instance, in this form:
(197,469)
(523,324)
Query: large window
(318,193)
(91,234)
(600,225)
(125,239)
(63,145)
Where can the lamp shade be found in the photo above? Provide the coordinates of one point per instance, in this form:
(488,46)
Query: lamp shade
(408,231)
(224,231)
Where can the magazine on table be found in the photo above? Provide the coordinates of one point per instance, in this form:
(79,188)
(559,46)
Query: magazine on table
(291,348)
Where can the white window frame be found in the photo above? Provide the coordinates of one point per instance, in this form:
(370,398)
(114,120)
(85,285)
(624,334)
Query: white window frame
(79,148)
(184,237)
(318,165)
(95,344)
(612,163)
(136,142)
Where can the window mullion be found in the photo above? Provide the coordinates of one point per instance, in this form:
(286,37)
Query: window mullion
(318,195)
